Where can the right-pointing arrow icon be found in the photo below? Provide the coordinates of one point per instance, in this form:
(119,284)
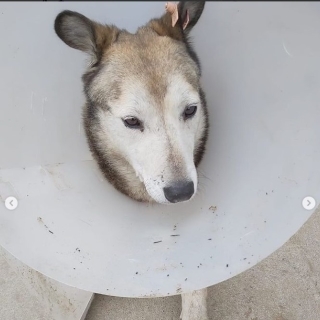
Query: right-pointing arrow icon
(308,203)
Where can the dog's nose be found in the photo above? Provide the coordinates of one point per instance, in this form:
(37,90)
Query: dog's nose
(179,191)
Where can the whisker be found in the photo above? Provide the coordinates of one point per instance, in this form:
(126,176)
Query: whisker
(204,175)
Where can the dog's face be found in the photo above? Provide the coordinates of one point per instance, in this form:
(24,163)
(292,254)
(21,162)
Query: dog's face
(146,117)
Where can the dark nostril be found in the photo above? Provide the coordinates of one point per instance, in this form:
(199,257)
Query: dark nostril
(179,191)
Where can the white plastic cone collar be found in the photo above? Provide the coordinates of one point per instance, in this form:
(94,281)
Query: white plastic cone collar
(261,74)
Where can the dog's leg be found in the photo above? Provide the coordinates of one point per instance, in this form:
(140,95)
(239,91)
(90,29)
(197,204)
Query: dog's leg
(194,305)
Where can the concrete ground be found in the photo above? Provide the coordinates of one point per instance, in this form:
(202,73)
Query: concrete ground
(285,286)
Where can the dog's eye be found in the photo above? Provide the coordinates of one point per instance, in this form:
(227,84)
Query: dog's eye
(190,111)
(132,122)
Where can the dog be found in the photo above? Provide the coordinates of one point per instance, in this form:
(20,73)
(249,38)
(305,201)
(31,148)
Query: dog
(145,117)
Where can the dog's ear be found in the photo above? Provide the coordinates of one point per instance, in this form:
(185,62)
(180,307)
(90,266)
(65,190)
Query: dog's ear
(81,33)
(179,19)
(189,13)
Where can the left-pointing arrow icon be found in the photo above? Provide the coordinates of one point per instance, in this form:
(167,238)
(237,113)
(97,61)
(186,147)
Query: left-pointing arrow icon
(11,203)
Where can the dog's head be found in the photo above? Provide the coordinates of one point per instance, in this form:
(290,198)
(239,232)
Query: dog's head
(146,117)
